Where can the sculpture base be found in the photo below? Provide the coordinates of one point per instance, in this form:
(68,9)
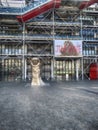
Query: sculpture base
(37,82)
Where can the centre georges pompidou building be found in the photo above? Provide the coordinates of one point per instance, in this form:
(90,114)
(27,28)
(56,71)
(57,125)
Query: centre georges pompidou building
(63,34)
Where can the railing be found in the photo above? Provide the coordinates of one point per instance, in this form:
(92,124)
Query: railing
(45,36)
(22,10)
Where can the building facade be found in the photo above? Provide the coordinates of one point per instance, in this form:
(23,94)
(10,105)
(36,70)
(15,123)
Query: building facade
(65,39)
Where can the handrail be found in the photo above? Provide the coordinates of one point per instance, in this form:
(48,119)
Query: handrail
(22,10)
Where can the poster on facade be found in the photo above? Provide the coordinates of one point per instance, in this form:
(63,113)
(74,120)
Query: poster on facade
(68,48)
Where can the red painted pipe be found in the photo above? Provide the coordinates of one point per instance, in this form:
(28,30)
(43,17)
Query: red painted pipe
(39,10)
(86,4)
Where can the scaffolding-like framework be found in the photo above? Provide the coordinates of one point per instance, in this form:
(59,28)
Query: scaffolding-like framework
(19,42)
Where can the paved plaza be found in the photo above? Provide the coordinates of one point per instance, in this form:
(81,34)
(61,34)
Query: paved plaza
(56,106)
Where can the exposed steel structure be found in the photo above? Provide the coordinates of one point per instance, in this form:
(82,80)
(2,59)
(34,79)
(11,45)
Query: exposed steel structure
(53,4)
(34,29)
(39,10)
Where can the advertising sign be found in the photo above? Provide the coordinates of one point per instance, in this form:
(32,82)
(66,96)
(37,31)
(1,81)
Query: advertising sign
(68,48)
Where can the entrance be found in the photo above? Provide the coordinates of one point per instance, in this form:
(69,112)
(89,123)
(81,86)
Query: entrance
(67,69)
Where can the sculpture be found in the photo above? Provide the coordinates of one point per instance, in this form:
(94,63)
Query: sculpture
(36,78)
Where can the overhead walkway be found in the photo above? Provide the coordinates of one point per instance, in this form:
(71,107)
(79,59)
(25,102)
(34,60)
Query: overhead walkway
(29,37)
(31,10)
(86,4)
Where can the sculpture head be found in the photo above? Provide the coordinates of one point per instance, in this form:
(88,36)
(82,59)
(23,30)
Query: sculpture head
(35,61)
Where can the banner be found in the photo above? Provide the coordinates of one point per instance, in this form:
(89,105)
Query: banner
(68,48)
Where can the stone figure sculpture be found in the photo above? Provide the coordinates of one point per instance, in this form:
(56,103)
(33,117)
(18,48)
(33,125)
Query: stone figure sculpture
(36,77)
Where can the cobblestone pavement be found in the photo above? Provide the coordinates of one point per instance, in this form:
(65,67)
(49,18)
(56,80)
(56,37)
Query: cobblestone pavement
(57,106)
